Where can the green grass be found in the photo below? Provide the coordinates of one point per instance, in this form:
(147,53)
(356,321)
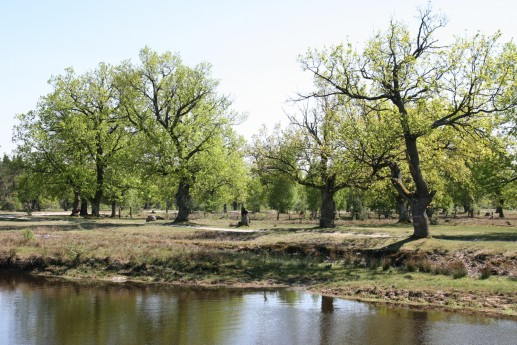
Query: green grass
(470,266)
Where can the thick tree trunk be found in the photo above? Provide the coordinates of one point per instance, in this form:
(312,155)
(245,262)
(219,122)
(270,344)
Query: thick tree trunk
(84,208)
(76,204)
(499,208)
(419,215)
(328,207)
(422,196)
(183,201)
(96,204)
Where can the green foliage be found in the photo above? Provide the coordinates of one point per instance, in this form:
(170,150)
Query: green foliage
(313,199)
(300,200)
(76,139)
(355,202)
(27,235)
(111,130)
(186,125)
(281,194)
(10,171)
(423,87)
(222,176)
(380,198)
(257,196)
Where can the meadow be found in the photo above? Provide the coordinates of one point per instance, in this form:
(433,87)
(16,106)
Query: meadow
(469,264)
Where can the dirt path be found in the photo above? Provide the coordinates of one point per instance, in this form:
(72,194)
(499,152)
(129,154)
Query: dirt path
(209,228)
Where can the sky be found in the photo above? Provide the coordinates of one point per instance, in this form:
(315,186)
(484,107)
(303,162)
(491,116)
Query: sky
(253,46)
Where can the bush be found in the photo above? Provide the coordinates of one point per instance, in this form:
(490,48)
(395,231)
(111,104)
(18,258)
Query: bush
(412,264)
(373,263)
(486,272)
(457,269)
(27,235)
(351,259)
(385,263)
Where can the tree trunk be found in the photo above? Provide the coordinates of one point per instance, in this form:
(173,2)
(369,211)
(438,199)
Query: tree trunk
(402,209)
(76,204)
(245,220)
(419,215)
(96,203)
(328,207)
(35,205)
(499,207)
(113,209)
(84,208)
(65,204)
(422,196)
(183,201)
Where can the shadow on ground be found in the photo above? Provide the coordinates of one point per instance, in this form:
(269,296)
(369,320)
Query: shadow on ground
(496,236)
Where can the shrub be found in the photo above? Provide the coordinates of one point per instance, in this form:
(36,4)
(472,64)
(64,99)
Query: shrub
(425,265)
(411,265)
(74,251)
(486,272)
(27,235)
(457,269)
(373,263)
(385,263)
(350,259)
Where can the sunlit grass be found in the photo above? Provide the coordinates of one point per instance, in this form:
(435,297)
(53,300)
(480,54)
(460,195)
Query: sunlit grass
(368,260)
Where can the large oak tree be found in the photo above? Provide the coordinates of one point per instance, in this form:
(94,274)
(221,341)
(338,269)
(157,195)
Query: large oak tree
(181,113)
(329,146)
(427,84)
(75,137)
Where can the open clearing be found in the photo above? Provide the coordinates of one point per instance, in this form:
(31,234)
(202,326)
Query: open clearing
(469,265)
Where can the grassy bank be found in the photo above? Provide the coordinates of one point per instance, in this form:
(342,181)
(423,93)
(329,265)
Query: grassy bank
(468,265)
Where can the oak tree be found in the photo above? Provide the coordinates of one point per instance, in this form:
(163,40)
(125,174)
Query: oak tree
(426,84)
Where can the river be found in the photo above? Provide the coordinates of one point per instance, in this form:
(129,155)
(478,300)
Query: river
(35,310)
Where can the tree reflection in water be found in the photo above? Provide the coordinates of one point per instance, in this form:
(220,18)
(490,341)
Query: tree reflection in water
(37,310)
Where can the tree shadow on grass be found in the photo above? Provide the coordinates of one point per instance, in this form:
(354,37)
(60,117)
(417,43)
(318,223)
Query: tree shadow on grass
(76,225)
(396,246)
(496,236)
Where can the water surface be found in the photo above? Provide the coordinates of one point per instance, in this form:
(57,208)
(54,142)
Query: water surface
(42,311)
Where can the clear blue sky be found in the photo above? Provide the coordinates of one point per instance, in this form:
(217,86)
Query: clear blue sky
(252,45)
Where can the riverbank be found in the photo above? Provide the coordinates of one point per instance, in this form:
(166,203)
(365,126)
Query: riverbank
(467,267)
